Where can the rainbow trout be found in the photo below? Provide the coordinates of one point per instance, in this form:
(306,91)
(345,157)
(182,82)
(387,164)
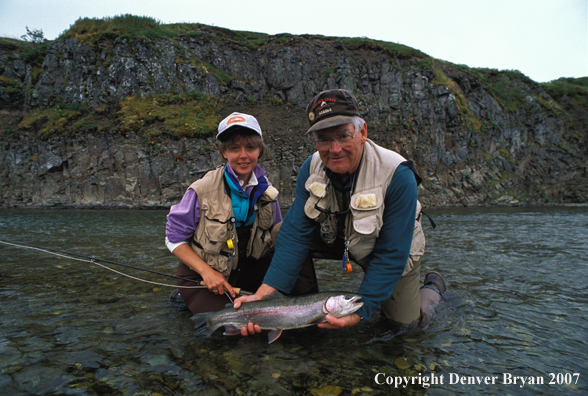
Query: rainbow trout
(277,314)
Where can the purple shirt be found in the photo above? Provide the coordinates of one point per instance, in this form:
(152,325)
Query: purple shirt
(183,218)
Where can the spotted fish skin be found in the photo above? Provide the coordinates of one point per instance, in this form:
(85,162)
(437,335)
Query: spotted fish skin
(277,314)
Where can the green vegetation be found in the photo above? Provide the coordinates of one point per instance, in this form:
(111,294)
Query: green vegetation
(222,77)
(576,88)
(12,88)
(95,30)
(63,119)
(192,115)
(507,86)
(34,36)
(439,77)
(392,49)
(328,71)
(31,49)
(34,49)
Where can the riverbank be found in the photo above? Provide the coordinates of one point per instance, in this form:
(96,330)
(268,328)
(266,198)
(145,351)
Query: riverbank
(115,171)
(127,118)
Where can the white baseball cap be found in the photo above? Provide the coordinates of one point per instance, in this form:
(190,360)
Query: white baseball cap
(238,119)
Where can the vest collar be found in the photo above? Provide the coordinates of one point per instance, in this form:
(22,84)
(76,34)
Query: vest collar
(243,201)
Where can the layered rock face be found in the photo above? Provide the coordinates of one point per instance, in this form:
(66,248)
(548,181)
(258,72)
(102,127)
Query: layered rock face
(471,146)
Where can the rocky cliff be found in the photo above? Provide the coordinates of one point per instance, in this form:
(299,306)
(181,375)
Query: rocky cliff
(116,120)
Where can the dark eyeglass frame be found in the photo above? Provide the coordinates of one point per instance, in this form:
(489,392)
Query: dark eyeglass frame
(334,139)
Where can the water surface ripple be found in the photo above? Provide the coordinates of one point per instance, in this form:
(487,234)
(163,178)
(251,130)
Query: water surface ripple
(516,307)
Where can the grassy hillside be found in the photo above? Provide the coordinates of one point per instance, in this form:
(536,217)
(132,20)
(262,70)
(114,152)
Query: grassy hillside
(194,114)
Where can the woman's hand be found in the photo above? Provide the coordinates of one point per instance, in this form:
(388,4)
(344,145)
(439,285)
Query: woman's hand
(214,280)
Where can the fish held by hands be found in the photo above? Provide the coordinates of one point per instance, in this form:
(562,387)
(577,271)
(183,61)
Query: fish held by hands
(278,314)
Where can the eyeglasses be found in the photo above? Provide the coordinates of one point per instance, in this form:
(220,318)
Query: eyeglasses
(343,140)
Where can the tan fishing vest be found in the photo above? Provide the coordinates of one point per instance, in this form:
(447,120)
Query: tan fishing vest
(364,222)
(217,224)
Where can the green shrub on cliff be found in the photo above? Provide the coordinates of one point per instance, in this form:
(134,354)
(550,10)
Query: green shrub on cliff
(440,78)
(507,86)
(392,49)
(174,115)
(62,119)
(192,115)
(576,88)
(92,30)
(11,88)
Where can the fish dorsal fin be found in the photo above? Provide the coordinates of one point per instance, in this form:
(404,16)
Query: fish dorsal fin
(275,294)
(273,335)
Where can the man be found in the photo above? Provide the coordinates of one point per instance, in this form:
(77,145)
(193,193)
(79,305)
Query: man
(355,201)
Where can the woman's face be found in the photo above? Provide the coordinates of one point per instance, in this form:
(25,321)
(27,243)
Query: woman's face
(242,156)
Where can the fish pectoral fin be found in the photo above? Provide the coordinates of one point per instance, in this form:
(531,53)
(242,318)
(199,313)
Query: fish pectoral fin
(274,335)
(231,330)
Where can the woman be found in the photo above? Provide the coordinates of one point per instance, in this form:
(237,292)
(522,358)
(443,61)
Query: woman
(221,230)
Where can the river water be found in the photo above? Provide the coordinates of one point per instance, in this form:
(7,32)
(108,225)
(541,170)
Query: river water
(515,311)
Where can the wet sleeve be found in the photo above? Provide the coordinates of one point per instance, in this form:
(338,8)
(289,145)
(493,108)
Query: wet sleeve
(183,218)
(392,247)
(294,239)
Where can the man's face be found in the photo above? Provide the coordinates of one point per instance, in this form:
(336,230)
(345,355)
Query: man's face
(342,158)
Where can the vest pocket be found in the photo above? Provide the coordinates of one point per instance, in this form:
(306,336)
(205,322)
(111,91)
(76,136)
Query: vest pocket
(317,188)
(266,213)
(215,236)
(260,243)
(367,208)
(367,200)
(219,262)
(365,225)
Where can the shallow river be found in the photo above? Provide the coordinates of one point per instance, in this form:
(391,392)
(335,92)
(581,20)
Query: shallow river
(516,311)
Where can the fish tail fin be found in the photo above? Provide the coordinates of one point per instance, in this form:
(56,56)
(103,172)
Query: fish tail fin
(201,325)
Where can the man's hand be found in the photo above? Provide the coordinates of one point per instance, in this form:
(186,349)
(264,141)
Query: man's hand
(263,291)
(339,323)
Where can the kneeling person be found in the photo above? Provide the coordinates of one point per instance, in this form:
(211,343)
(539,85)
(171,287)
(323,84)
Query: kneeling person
(357,200)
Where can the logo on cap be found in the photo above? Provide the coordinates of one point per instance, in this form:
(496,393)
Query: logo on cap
(324,102)
(235,119)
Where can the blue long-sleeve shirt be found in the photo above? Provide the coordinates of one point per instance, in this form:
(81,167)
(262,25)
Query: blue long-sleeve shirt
(390,252)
